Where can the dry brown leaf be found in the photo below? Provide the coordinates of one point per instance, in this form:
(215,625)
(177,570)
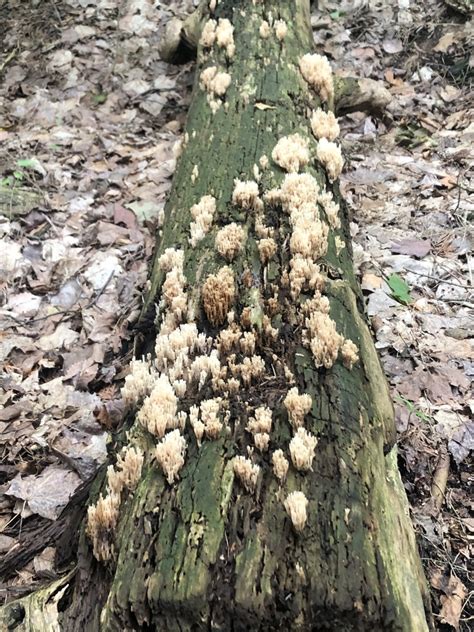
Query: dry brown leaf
(48,493)
(414,247)
(392,80)
(444,42)
(371,282)
(453,599)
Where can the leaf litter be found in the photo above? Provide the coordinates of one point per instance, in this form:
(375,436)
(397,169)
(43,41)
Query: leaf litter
(89,115)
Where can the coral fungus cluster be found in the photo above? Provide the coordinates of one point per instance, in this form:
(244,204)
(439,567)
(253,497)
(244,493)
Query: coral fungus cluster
(203,214)
(215,82)
(209,360)
(103,516)
(316,70)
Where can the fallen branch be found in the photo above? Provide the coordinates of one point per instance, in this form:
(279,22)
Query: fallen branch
(440,479)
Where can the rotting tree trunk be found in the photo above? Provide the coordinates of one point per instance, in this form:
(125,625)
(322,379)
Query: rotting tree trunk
(204,554)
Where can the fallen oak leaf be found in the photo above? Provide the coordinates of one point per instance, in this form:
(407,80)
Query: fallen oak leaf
(452,602)
(392,80)
(448,181)
(110,414)
(445,42)
(415,247)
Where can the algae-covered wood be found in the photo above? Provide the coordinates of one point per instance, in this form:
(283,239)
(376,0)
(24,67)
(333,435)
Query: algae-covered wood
(204,553)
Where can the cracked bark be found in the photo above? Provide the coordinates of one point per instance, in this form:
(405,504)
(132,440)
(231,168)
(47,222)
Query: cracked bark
(203,554)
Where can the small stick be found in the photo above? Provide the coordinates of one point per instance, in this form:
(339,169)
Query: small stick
(440,479)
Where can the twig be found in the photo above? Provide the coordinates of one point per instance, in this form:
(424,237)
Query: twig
(8,59)
(440,479)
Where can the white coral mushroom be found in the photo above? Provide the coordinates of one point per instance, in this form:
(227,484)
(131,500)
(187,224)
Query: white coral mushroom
(246,472)
(302,448)
(291,153)
(297,406)
(296,505)
(316,70)
(330,156)
(170,454)
(324,125)
(280,465)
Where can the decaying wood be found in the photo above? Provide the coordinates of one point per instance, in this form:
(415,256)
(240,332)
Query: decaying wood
(18,201)
(203,552)
(352,94)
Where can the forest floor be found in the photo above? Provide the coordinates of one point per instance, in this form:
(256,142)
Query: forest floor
(89,117)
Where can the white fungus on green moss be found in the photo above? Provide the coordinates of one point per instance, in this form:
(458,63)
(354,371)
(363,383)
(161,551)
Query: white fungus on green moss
(309,235)
(196,424)
(246,472)
(296,505)
(261,422)
(251,368)
(349,353)
(210,416)
(102,519)
(261,441)
(138,383)
(218,293)
(330,156)
(297,191)
(297,406)
(291,153)
(173,294)
(304,274)
(248,343)
(316,70)
(225,36)
(173,350)
(205,366)
(267,248)
(280,465)
(215,83)
(229,338)
(208,35)
(203,214)
(298,196)
(281,29)
(302,448)
(127,470)
(322,338)
(245,195)
(331,209)
(229,241)
(324,125)
(170,454)
(158,413)
(340,244)
(264,30)
(261,230)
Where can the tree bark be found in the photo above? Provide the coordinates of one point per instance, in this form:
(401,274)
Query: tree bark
(203,553)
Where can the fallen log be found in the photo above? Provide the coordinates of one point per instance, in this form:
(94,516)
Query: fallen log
(257,487)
